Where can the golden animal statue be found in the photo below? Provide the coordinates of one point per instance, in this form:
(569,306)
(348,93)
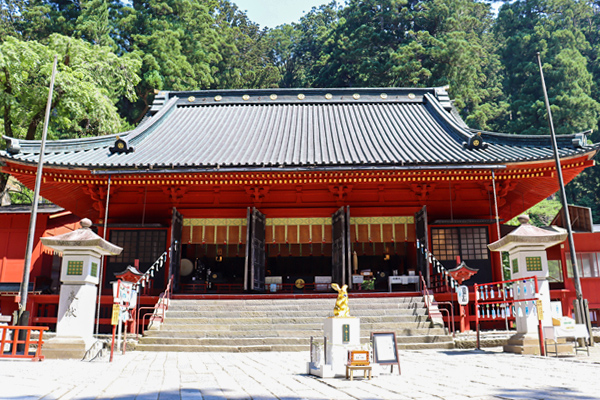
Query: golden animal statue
(341,308)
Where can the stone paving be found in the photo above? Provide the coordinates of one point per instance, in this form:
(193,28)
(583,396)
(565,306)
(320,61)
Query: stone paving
(426,374)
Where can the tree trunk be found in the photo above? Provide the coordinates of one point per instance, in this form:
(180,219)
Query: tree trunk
(7,121)
(37,118)
(3,181)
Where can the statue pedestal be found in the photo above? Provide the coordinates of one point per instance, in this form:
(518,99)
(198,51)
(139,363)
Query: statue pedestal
(341,335)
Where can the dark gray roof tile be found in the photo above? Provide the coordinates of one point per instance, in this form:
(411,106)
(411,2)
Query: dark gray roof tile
(199,130)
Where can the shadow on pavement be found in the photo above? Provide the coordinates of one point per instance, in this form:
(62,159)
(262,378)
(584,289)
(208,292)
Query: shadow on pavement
(467,352)
(550,393)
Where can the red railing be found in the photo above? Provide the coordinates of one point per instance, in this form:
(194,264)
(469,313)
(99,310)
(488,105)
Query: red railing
(158,311)
(20,348)
(497,300)
(193,288)
(429,303)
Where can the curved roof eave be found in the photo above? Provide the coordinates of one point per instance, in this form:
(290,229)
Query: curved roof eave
(88,143)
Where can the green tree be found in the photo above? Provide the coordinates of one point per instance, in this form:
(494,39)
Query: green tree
(37,19)
(554,29)
(298,49)
(177,43)
(90,80)
(541,214)
(244,51)
(93,24)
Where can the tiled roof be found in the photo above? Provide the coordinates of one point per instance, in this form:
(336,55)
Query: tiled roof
(298,129)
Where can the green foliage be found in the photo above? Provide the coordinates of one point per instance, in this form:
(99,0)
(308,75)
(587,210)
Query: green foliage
(89,81)
(245,51)
(541,214)
(555,29)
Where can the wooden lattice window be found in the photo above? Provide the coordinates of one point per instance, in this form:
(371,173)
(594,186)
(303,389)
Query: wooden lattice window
(468,243)
(144,245)
(515,266)
(95,270)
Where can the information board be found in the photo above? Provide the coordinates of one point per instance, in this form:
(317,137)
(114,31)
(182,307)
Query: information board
(116,311)
(385,349)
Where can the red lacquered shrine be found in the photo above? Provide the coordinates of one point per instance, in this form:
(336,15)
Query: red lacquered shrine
(271,190)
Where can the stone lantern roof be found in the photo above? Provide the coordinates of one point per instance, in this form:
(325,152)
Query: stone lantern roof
(83,237)
(529,235)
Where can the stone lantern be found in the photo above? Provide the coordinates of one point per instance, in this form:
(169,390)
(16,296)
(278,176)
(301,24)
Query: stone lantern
(82,251)
(526,247)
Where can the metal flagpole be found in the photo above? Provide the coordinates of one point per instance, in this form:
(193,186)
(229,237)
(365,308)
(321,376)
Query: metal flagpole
(496,203)
(563,196)
(24,289)
(101,282)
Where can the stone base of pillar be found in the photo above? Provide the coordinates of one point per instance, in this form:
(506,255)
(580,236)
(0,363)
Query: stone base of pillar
(67,348)
(522,343)
(530,344)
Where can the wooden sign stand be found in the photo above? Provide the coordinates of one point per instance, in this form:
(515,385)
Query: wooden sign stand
(385,349)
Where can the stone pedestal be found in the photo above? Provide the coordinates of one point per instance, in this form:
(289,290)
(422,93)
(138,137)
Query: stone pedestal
(82,251)
(341,334)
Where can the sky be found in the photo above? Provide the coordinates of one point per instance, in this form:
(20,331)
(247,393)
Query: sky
(271,13)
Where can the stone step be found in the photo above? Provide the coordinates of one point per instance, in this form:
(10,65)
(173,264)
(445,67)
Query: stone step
(279,333)
(426,346)
(220,348)
(305,307)
(261,348)
(291,319)
(286,324)
(283,313)
(271,341)
(295,302)
(317,325)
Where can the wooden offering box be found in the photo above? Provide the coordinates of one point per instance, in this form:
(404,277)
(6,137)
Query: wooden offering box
(358,357)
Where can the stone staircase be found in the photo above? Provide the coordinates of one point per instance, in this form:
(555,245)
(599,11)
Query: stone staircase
(286,324)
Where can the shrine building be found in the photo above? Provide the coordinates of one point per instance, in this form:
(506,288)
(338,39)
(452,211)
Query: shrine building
(249,188)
